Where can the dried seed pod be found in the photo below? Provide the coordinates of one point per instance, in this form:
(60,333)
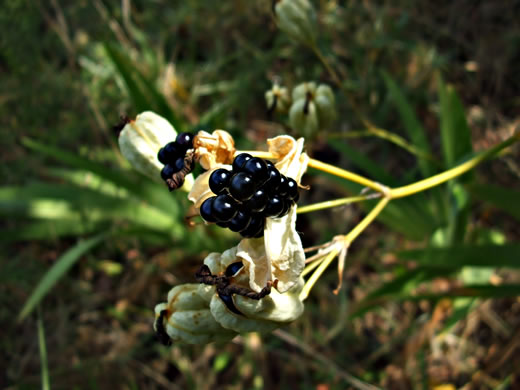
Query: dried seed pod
(177,179)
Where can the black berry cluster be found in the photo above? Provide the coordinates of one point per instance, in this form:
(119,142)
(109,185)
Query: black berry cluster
(253,190)
(172,154)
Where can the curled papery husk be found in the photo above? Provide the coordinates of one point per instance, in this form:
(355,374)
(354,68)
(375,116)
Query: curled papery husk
(196,314)
(283,246)
(213,149)
(140,141)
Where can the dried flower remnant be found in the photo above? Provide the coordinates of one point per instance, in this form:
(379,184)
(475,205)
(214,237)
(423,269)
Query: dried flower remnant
(213,149)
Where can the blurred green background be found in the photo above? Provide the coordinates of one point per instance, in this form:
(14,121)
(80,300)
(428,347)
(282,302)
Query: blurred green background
(430,295)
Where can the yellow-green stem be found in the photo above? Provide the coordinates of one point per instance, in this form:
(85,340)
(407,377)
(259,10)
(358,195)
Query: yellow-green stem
(311,266)
(332,203)
(433,181)
(348,238)
(333,170)
(309,284)
(352,235)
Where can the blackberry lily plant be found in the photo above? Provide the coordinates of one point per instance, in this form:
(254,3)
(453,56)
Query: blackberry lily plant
(257,285)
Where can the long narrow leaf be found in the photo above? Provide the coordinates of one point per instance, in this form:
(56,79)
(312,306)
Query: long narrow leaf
(142,90)
(456,136)
(507,255)
(413,127)
(502,198)
(46,385)
(56,272)
(74,160)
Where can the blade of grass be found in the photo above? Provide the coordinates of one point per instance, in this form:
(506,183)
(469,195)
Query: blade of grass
(456,135)
(142,91)
(74,160)
(46,384)
(417,134)
(55,273)
(507,255)
(411,124)
(502,198)
(51,230)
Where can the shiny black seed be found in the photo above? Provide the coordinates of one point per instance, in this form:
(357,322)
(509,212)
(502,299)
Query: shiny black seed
(224,208)
(178,164)
(239,222)
(240,161)
(257,202)
(255,226)
(167,171)
(274,207)
(185,140)
(286,207)
(273,182)
(259,234)
(283,188)
(257,169)
(242,187)
(219,180)
(292,188)
(297,198)
(233,268)
(169,153)
(206,210)
(228,301)
(269,164)
(223,224)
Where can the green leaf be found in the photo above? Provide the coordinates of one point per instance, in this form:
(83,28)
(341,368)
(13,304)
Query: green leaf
(413,127)
(54,274)
(138,185)
(502,198)
(74,160)
(507,255)
(456,135)
(48,201)
(51,230)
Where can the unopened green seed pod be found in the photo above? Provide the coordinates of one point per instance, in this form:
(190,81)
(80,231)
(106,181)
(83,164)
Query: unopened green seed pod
(297,18)
(326,104)
(313,108)
(304,118)
(278,99)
